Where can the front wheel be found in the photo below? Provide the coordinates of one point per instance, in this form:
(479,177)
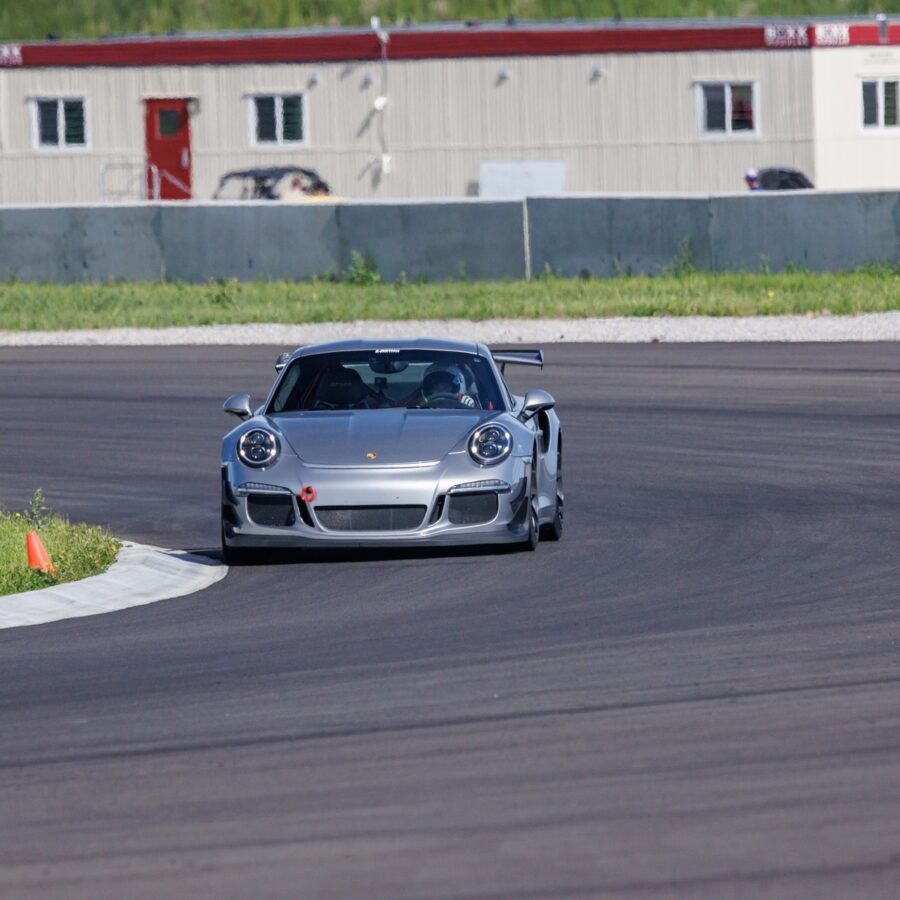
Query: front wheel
(534,527)
(534,531)
(553,530)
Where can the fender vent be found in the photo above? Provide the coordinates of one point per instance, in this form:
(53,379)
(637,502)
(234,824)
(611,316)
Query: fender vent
(438,510)
(305,515)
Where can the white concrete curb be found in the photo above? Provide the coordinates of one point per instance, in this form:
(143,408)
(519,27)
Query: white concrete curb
(141,574)
(675,329)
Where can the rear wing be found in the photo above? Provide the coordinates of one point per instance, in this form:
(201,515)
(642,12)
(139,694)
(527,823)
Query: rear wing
(518,358)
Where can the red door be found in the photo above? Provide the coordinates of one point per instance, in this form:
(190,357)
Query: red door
(168,129)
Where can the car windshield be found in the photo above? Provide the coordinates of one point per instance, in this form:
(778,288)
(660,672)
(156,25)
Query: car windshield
(387,379)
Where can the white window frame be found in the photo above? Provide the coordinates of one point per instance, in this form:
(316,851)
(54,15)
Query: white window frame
(279,144)
(62,147)
(727,135)
(879,127)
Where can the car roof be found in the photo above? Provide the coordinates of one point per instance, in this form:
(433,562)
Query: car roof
(393,344)
(781,177)
(270,172)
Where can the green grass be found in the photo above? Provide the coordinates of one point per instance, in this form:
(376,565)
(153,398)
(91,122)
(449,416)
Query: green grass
(29,307)
(101,18)
(76,551)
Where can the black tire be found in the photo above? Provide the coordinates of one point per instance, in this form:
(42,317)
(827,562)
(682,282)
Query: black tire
(553,530)
(534,530)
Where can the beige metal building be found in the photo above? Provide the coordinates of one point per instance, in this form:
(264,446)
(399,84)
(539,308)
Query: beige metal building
(414,112)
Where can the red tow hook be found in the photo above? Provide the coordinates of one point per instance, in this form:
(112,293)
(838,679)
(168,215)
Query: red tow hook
(308,494)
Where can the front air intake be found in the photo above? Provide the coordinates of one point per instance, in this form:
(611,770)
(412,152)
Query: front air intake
(370,518)
(271,509)
(472,509)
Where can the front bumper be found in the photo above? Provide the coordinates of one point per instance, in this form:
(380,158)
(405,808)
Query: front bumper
(451,505)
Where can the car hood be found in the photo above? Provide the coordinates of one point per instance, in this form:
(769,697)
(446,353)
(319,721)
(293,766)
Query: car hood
(397,437)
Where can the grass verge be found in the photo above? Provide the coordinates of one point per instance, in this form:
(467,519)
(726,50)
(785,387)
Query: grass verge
(77,551)
(39,307)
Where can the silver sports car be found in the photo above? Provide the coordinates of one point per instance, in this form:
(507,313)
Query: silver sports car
(403,443)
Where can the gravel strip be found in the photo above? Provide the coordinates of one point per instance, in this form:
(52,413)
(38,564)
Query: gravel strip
(686,329)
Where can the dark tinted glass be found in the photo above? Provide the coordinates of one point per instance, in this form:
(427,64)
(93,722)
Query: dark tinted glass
(265,120)
(870,103)
(387,380)
(292,118)
(73,116)
(48,128)
(890,103)
(167,122)
(714,106)
(741,107)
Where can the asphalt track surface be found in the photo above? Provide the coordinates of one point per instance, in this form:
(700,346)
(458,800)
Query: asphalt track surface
(695,693)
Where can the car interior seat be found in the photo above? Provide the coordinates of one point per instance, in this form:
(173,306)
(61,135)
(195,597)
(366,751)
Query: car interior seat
(341,388)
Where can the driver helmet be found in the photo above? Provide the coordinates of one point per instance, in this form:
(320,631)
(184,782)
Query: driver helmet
(439,375)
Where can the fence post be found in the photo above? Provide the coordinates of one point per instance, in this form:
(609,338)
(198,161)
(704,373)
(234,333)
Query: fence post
(526,236)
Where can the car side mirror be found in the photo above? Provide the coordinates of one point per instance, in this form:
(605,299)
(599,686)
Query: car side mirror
(238,405)
(536,401)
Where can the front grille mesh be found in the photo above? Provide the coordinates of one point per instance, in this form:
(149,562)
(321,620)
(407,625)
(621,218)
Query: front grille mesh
(370,518)
(472,509)
(271,509)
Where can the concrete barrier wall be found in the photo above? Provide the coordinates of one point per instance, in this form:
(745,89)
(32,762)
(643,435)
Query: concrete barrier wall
(571,236)
(823,232)
(249,241)
(602,236)
(80,243)
(439,241)
(817,231)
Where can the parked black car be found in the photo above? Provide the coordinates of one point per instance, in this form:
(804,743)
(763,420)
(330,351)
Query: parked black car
(777,179)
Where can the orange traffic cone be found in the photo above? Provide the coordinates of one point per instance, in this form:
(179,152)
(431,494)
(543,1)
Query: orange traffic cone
(37,555)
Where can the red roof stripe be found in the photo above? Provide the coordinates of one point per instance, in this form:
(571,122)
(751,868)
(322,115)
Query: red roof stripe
(863,35)
(204,51)
(414,44)
(403,45)
(528,42)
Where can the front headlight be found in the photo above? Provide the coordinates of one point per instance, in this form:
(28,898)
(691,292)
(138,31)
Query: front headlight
(490,444)
(258,448)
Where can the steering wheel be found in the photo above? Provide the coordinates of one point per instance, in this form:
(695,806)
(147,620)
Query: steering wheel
(442,400)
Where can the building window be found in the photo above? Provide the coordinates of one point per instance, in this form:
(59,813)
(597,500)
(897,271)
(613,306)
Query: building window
(880,103)
(167,122)
(727,108)
(278,119)
(59,123)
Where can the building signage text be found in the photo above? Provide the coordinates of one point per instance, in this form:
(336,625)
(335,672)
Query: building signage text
(10,55)
(787,36)
(832,35)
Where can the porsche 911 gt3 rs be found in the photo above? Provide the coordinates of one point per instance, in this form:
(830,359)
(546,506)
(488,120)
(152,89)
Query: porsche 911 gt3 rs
(392,443)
